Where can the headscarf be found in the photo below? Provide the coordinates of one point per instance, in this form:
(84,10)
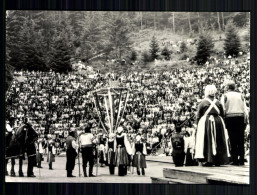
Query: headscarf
(210,90)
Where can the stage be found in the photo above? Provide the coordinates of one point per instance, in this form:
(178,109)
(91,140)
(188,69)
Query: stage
(226,174)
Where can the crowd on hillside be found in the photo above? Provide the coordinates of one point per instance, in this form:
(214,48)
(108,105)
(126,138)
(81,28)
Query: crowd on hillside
(158,103)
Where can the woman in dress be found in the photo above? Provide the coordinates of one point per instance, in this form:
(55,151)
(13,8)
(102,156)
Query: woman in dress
(122,150)
(110,153)
(211,146)
(139,152)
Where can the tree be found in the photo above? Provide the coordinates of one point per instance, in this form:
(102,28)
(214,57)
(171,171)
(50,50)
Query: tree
(232,41)
(204,48)
(218,20)
(60,57)
(183,47)
(118,29)
(146,57)
(133,56)
(166,53)
(154,48)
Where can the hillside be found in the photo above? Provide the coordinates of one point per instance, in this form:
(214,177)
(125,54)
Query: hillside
(141,42)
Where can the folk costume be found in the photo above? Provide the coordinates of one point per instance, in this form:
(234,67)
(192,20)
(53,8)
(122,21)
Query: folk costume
(110,147)
(122,150)
(102,150)
(178,145)
(212,142)
(40,151)
(51,153)
(139,152)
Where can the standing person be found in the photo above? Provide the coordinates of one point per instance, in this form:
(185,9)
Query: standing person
(236,117)
(31,151)
(211,145)
(178,144)
(122,150)
(87,142)
(71,153)
(110,153)
(102,149)
(40,151)
(51,153)
(139,152)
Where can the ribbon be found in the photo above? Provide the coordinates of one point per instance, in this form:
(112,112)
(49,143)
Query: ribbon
(111,108)
(107,111)
(116,125)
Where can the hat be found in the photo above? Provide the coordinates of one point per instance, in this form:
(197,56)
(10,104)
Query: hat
(138,137)
(210,90)
(231,83)
(111,135)
(119,129)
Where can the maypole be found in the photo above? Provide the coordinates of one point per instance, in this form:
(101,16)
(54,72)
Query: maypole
(105,103)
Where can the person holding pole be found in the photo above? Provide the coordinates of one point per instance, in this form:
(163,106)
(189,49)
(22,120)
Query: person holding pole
(71,153)
(87,142)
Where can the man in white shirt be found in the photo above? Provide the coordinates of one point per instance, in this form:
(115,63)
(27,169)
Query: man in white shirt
(236,118)
(86,143)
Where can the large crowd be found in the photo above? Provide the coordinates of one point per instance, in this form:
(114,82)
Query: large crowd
(158,103)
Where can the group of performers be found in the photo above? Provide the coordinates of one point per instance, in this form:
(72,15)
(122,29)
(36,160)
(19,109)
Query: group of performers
(115,151)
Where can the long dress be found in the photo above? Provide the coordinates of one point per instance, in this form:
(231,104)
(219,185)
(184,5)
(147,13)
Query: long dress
(110,153)
(212,141)
(139,155)
(121,157)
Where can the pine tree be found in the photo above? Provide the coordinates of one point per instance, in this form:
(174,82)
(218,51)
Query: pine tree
(14,25)
(60,57)
(232,41)
(118,29)
(154,49)
(183,47)
(133,56)
(166,53)
(145,57)
(204,49)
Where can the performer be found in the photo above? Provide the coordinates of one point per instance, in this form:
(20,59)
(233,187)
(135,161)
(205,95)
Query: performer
(139,152)
(102,149)
(110,153)
(87,142)
(8,138)
(40,143)
(122,150)
(177,143)
(236,118)
(51,153)
(211,145)
(71,153)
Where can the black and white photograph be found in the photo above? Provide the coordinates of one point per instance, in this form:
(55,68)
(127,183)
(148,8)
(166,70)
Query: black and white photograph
(127,97)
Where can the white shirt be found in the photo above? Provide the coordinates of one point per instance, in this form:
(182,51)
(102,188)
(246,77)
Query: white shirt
(86,139)
(8,127)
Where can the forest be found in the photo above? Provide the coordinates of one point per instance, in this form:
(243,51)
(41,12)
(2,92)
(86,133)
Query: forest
(44,40)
